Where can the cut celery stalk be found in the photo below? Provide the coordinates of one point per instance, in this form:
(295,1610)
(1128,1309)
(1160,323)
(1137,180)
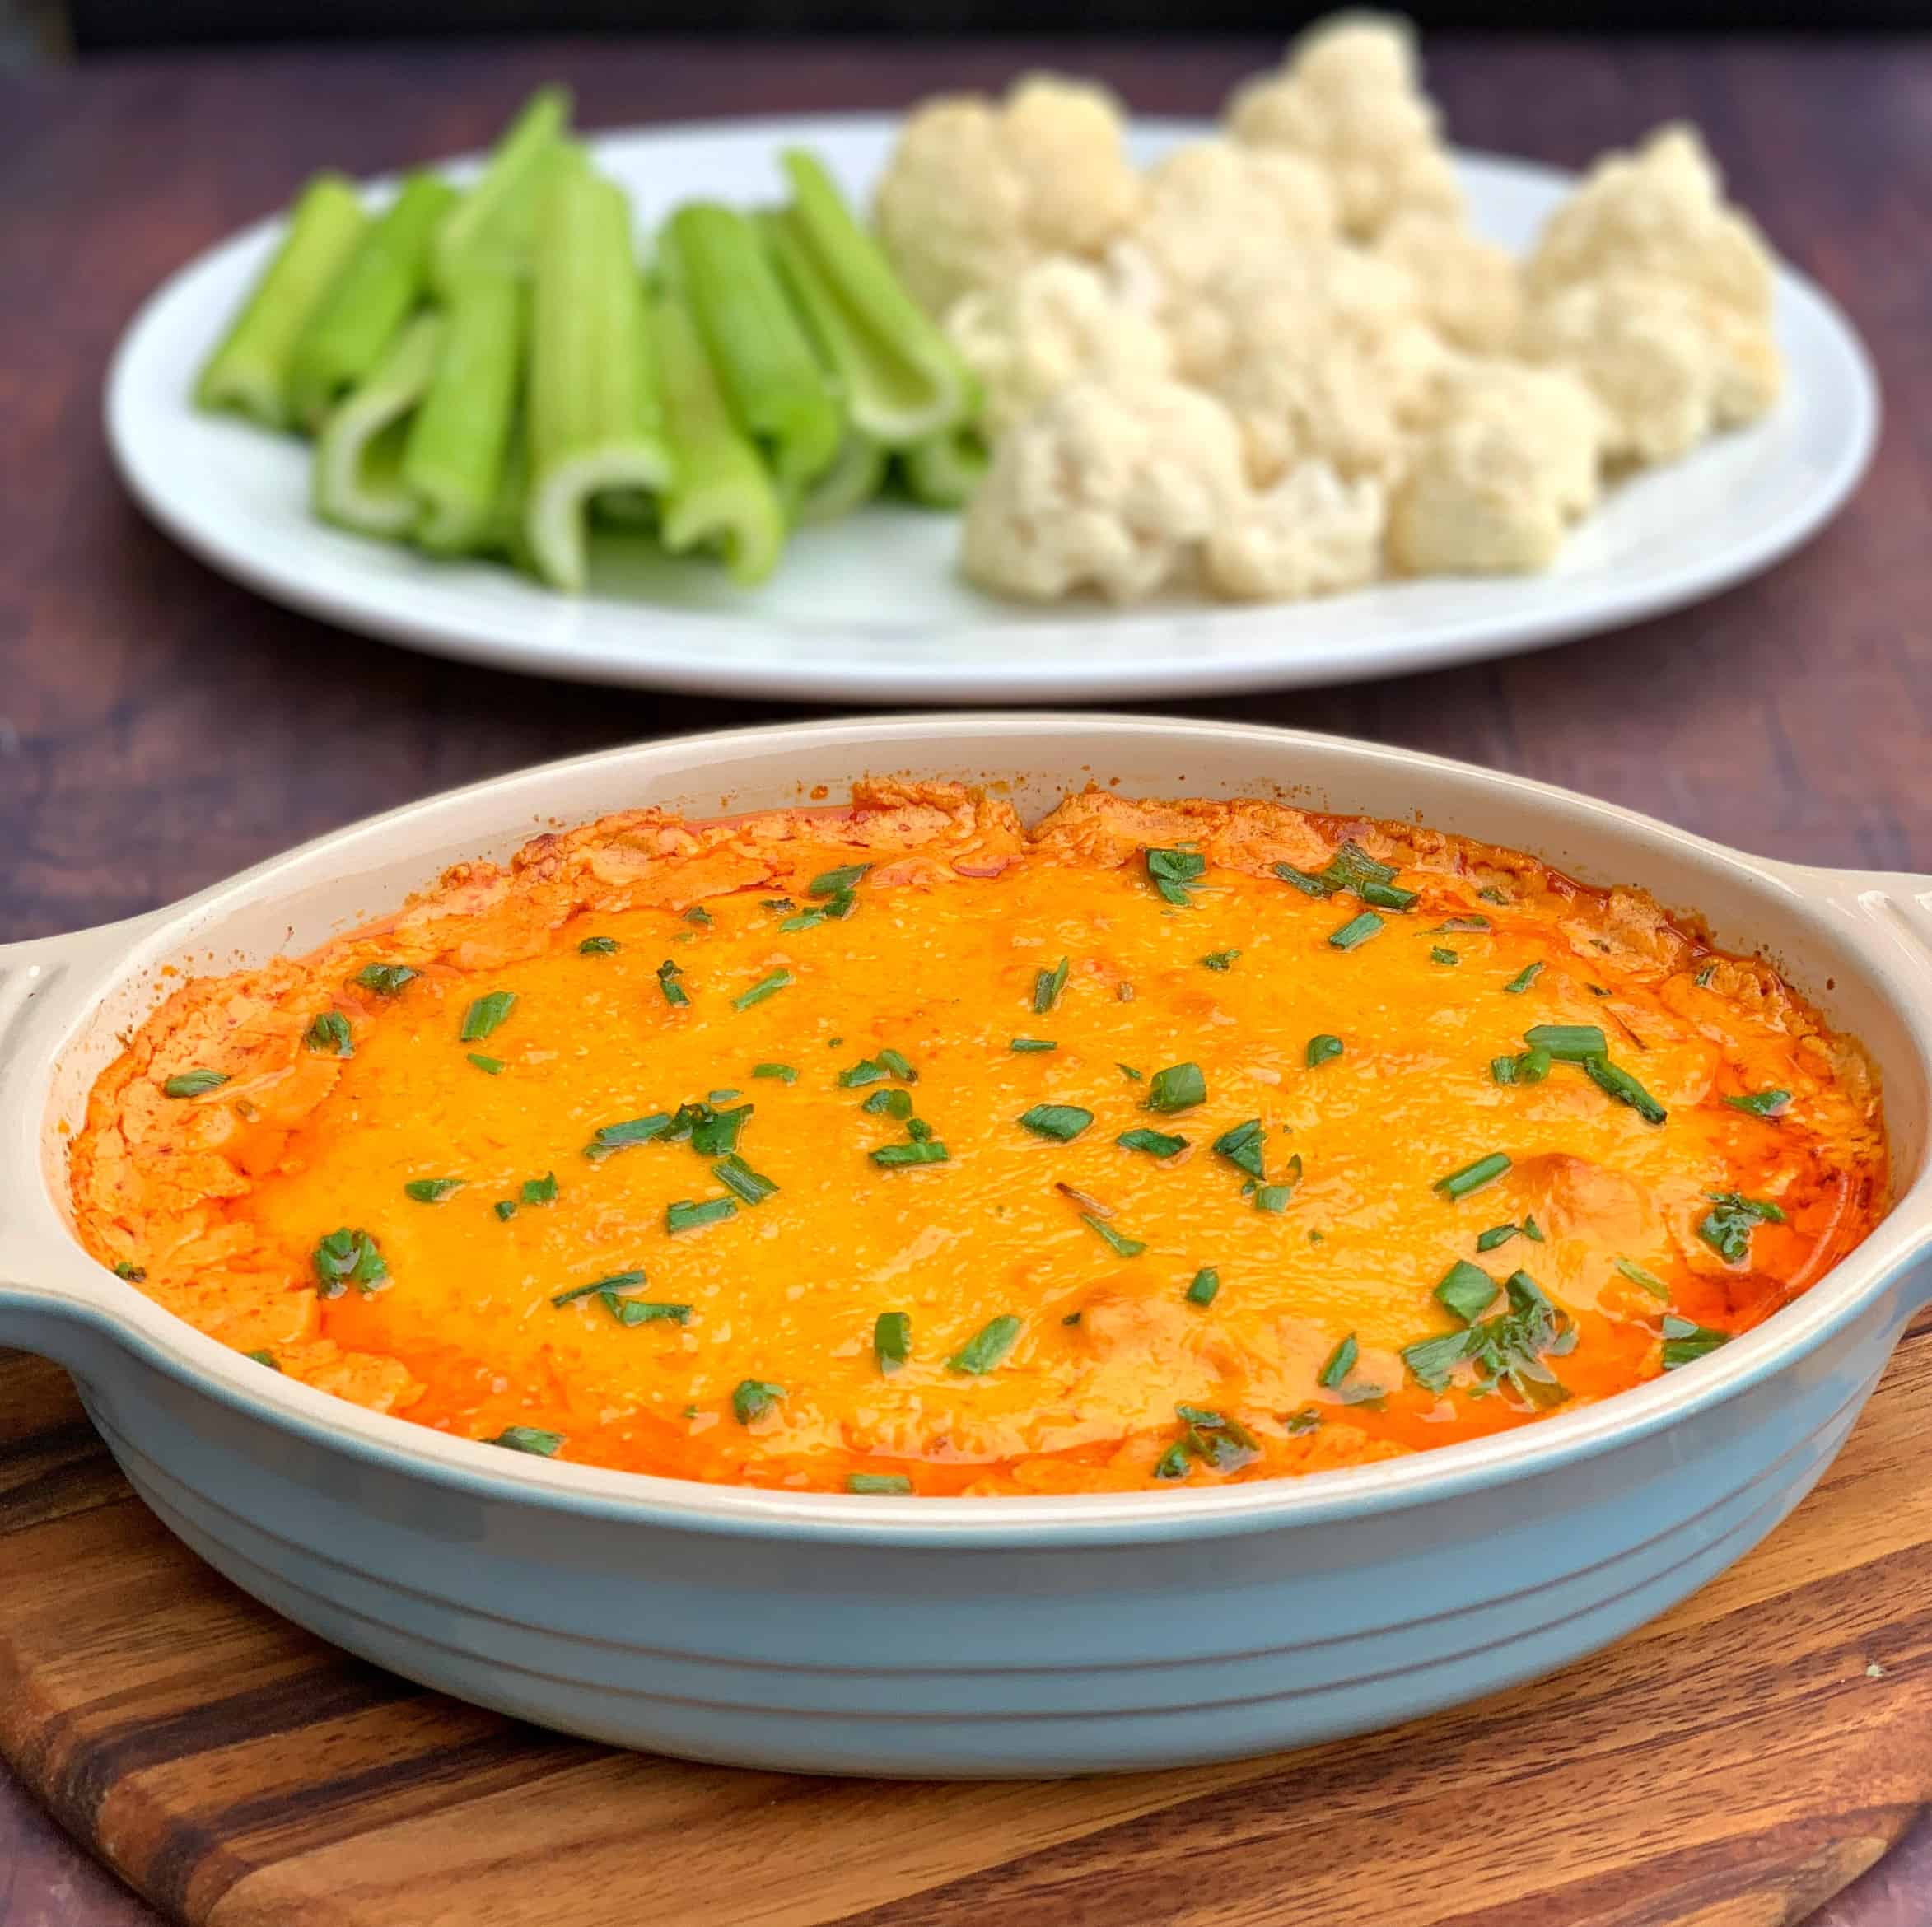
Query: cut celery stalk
(493,225)
(766,364)
(593,411)
(453,462)
(358,318)
(943,472)
(249,372)
(720,495)
(357,477)
(902,380)
(851,481)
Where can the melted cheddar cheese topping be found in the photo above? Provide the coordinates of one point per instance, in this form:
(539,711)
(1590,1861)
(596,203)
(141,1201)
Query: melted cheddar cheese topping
(897,1147)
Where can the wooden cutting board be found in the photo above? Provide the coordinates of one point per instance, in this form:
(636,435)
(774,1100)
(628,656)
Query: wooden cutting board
(1733,1765)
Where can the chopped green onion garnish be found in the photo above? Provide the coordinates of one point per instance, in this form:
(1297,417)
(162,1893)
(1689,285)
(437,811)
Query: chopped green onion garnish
(530,1438)
(889,1485)
(766,986)
(506,1210)
(1503,1070)
(1219,960)
(348,1258)
(616,1282)
(674,992)
(867,1070)
(1620,1084)
(1450,923)
(485,1014)
(1272,1197)
(1172,872)
(697,914)
(1467,1290)
(538,1191)
(987,1348)
(1128,1072)
(1242,1147)
(714,1133)
(1438,955)
(1495,1235)
(1341,1362)
(1473,1177)
(644,1311)
(1523,979)
(1762,1104)
(1032,1043)
(1649,1279)
(899,1066)
(1157,1144)
(386,980)
(928,1152)
(1047,987)
(783,1072)
(684,1215)
(892,1340)
(1178,1088)
(490,1066)
(193,1083)
(134,1274)
(1309,885)
(329,1034)
(615,1137)
(1534,1066)
(889,1103)
(1702,979)
(1569,1043)
(431,1190)
(1531,1232)
(598,946)
(1120,1246)
(1174,1463)
(1208,1282)
(1062,1122)
(735,1174)
(1728,1229)
(1685,1342)
(263,1357)
(754,1398)
(1321,1048)
(1358,930)
(832,882)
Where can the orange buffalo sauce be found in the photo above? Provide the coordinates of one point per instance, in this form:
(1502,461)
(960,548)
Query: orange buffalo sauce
(897,1147)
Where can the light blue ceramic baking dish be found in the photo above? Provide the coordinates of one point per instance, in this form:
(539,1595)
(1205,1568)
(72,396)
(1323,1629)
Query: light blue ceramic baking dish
(963,1636)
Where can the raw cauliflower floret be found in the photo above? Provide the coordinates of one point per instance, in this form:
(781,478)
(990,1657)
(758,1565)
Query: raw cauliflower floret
(1109,487)
(1332,364)
(1058,321)
(1659,212)
(1669,364)
(1348,97)
(1311,534)
(1511,460)
(977,191)
(1471,290)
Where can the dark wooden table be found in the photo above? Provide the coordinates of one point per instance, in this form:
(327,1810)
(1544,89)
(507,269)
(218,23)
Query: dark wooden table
(160,727)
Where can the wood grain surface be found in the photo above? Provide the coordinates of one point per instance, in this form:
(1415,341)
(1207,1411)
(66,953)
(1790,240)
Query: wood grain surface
(159,728)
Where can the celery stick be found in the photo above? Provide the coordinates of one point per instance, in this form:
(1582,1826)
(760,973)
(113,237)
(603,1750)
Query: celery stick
(493,225)
(851,481)
(592,405)
(359,316)
(249,372)
(453,462)
(943,472)
(720,496)
(902,380)
(358,481)
(765,363)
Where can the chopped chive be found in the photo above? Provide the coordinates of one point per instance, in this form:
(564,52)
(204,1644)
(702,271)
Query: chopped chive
(133,1273)
(1467,1290)
(697,914)
(1450,923)
(330,1035)
(1308,884)
(611,1138)
(674,992)
(616,1282)
(531,1439)
(1728,1229)
(1047,987)
(538,1191)
(1531,1232)
(1503,1070)
(1357,931)
(1490,894)
(598,946)
(783,1073)
(684,1215)
(193,1083)
(1242,1147)
(766,986)
(1495,1235)
(752,1398)
(485,1014)
(721,1097)
(1762,1104)
(1032,1043)
(1178,1088)
(1219,960)
(490,1066)
(1174,873)
(899,1066)
(386,980)
(889,1103)
(1207,1283)
(1649,1279)
(892,1340)
(1523,979)
(1061,1122)
(836,907)
(1569,1043)
(348,1258)
(1341,1362)
(644,1311)
(1438,955)
(1157,1144)
(1321,1048)
(1534,1066)
(735,1174)
(1473,1177)
(883,1485)
(1274,1197)
(867,1070)
(1121,1247)
(1129,1073)
(1174,1463)
(1618,1083)
(714,1134)
(1702,979)
(835,883)
(1684,1341)
(263,1357)
(506,1210)
(925,1153)
(1306,1419)
(987,1348)
(431,1190)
